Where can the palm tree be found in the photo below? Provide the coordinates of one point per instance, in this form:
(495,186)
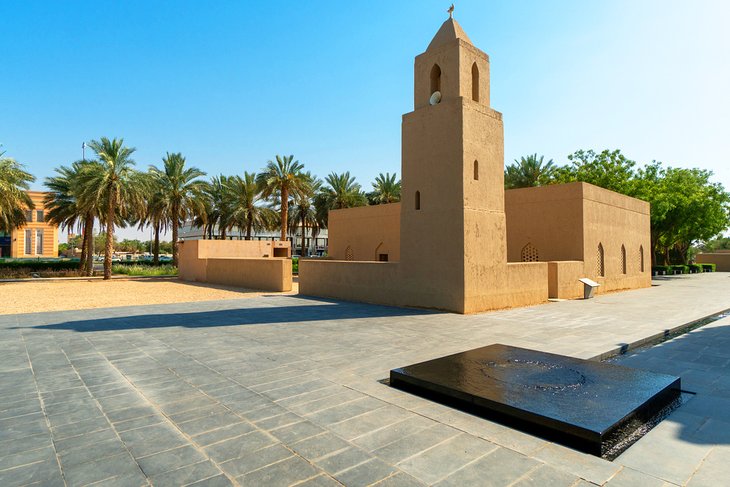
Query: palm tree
(63,208)
(528,172)
(114,185)
(243,196)
(385,190)
(340,191)
(155,214)
(14,201)
(214,210)
(181,191)
(282,179)
(304,212)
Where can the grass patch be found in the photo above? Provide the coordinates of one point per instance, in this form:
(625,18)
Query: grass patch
(145,270)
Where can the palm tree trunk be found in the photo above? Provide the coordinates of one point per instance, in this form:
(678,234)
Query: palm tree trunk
(82,260)
(284,212)
(109,250)
(156,248)
(175,219)
(89,228)
(249,227)
(223,233)
(304,234)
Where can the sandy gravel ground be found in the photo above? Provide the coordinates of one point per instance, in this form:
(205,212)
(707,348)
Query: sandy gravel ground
(35,296)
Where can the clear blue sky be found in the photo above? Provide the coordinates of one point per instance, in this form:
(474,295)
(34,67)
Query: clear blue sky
(231,84)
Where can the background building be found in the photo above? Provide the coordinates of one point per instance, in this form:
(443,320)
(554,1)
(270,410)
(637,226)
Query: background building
(36,238)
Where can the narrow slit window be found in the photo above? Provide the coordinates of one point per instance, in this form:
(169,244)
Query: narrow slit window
(476,170)
(418,200)
(600,264)
(435,79)
(623,259)
(474,82)
(641,257)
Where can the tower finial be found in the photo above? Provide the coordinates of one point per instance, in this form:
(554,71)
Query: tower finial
(451,11)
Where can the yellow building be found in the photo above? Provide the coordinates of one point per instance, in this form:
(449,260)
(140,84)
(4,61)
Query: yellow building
(36,238)
(456,241)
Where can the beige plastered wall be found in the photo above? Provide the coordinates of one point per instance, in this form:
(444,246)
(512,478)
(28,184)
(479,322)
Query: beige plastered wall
(50,233)
(566,222)
(613,220)
(242,263)
(563,279)
(720,259)
(367,230)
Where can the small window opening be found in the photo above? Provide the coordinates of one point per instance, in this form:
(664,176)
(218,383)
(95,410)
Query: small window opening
(474,82)
(623,259)
(383,257)
(529,253)
(349,253)
(641,257)
(476,170)
(418,200)
(435,79)
(600,266)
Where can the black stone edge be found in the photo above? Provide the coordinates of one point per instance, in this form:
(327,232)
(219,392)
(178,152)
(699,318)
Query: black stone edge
(643,413)
(549,429)
(658,338)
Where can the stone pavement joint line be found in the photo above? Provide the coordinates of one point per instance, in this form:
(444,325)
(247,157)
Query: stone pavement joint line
(285,390)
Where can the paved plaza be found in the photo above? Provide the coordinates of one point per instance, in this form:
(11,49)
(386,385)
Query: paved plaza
(285,390)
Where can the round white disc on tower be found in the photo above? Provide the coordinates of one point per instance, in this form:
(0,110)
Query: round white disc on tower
(435,98)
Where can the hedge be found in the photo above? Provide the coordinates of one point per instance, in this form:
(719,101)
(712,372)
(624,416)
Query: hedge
(147,263)
(40,265)
(695,268)
(708,267)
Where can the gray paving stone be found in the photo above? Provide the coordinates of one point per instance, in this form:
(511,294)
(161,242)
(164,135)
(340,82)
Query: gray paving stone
(217,481)
(208,423)
(91,453)
(413,444)
(119,469)
(170,460)
(142,442)
(43,472)
(239,446)
(287,472)
(628,477)
(504,467)
(343,460)
(366,473)
(386,435)
(296,432)
(584,466)
(255,460)
(26,443)
(186,475)
(545,475)
(320,481)
(319,446)
(224,433)
(400,479)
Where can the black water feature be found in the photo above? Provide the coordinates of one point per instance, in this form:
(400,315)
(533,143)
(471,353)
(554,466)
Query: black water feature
(586,405)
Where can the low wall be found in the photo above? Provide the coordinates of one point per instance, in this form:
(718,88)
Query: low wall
(369,282)
(266,274)
(242,263)
(720,259)
(563,279)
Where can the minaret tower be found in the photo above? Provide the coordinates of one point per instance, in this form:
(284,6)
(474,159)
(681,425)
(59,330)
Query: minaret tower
(453,233)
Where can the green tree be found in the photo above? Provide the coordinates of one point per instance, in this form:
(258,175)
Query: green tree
(607,169)
(244,195)
(686,207)
(115,186)
(181,189)
(528,172)
(155,214)
(342,191)
(14,201)
(385,189)
(215,209)
(282,179)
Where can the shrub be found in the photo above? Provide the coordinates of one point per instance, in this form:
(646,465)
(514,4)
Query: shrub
(695,268)
(659,270)
(295,265)
(679,269)
(144,270)
(39,265)
(708,267)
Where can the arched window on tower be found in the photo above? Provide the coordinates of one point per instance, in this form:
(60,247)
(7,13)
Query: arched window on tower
(600,264)
(435,79)
(474,82)
(641,257)
(476,170)
(529,253)
(623,259)
(418,200)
